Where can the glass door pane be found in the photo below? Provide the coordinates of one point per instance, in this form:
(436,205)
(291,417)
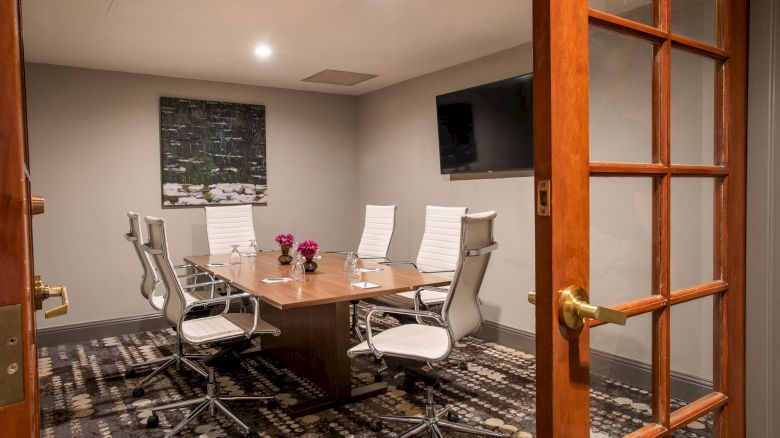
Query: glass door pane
(621,97)
(640,11)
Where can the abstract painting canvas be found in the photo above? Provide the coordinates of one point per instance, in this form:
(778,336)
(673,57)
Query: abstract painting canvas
(212,153)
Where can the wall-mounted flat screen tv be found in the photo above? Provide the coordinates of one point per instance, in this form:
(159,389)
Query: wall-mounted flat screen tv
(487,128)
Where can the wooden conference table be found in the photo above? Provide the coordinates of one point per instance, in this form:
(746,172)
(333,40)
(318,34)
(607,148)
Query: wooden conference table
(313,315)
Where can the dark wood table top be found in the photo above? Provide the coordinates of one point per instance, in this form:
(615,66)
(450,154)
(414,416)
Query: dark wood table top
(327,285)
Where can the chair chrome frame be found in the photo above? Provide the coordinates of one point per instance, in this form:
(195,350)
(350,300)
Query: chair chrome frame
(433,421)
(213,399)
(176,310)
(179,356)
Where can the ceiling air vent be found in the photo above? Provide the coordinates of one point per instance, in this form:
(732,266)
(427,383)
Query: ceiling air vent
(338,77)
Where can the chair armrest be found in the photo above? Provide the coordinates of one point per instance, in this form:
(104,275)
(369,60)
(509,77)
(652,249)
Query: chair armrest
(256,318)
(398,311)
(205,283)
(225,299)
(399,263)
(184,266)
(418,303)
(375,258)
(197,274)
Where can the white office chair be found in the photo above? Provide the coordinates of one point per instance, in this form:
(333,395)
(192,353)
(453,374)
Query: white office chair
(156,297)
(434,336)
(229,225)
(378,231)
(438,255)
(229,330)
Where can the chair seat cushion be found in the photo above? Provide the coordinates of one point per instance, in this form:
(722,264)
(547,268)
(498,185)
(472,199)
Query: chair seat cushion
(220,327)
(414,341)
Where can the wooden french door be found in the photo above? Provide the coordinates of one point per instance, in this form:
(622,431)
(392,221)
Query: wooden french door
(569,166)
(18,362)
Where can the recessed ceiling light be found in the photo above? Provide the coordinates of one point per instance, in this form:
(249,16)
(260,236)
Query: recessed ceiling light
(263,51)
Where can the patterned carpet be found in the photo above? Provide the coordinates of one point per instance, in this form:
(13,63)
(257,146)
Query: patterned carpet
(84,394)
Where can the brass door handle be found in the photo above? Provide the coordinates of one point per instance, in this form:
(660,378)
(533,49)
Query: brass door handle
(573,308)
(44,291)
(37,204)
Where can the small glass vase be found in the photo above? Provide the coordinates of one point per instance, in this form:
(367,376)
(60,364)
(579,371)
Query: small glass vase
(285,258)
(310,265)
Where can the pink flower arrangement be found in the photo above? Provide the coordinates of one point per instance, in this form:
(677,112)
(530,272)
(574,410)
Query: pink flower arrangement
(285,240)
(308,248)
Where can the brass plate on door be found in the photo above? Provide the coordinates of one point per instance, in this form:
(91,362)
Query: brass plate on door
(543,198)
(11,365)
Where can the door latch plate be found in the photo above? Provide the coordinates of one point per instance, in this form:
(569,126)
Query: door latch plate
(543,198)
(11,365)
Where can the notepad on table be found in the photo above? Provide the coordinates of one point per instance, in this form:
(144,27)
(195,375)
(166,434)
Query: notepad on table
(270,280)
(365,285)
(363,270)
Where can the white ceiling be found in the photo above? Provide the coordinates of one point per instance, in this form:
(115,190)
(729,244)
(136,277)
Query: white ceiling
(215,40)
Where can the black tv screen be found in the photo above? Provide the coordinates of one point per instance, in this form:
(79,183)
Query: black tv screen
(487,128)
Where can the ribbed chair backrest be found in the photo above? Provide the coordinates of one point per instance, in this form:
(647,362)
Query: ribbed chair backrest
(149,278)
(461,308)
(377,231)
(157,248)
(229,225)
(441,239)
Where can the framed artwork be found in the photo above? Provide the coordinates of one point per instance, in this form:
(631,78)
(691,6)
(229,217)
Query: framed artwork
(212,153)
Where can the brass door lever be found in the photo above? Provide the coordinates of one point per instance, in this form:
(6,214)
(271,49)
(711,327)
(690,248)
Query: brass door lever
(44,291)
(573,308)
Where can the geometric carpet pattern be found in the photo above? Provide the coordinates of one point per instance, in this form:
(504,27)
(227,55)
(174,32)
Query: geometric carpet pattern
(84,393)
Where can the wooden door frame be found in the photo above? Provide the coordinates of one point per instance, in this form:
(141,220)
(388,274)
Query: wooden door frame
(20,419)
(560,143)
(562,238)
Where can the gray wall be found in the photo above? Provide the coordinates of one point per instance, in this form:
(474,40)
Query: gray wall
(95,154)
(763,221)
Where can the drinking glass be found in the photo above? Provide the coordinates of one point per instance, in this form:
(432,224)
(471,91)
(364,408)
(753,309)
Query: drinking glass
(355,276)
(252,249)
(350,262)
(235,256)
(298,271)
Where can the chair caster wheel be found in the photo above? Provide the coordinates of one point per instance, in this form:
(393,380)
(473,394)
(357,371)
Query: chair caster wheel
(129,374)
(272,404)
(253,435)
(463,365)
(138,392)
(453,417)
(377,378)
(375,425)
(152,421)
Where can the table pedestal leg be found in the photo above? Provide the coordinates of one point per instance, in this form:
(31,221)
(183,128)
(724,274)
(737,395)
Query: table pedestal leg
(314,344)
